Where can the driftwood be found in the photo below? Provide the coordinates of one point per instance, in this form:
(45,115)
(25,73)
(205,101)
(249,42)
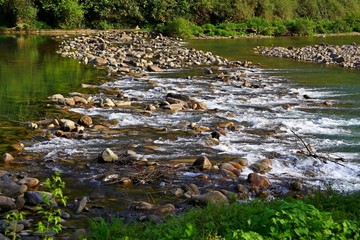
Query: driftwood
(323,157)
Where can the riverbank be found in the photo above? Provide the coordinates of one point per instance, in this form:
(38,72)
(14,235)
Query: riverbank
(148,129)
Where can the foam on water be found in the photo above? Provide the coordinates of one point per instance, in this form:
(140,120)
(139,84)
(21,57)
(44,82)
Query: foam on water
(264,126)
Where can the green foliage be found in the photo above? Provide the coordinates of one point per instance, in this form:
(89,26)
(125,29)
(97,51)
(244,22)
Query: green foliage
(179,27)
(292,219)
(12,220)
(51,214)
(301,27)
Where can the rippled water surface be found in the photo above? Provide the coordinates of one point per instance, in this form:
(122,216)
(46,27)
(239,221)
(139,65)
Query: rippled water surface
(264,127)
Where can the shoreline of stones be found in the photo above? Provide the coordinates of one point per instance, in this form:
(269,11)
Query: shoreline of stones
(347,56)
(135,54)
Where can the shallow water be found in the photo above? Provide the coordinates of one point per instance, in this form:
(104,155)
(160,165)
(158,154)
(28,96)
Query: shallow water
(263,125)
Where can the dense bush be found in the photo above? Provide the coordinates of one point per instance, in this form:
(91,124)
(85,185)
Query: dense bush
(179,27)
(105,13)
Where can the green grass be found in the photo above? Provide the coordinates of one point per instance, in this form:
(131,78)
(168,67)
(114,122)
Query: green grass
(323,215)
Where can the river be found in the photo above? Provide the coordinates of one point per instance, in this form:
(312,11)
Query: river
(30,70)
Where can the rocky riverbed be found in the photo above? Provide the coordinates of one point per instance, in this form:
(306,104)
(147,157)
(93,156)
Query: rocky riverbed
(344,56)
(172,128)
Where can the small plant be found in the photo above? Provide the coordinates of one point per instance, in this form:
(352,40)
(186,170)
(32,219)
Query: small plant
(12,219)
(51,214)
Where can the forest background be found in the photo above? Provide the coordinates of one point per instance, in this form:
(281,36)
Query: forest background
(187,17)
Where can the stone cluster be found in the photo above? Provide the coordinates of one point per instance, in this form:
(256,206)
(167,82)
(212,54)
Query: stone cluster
(344,56)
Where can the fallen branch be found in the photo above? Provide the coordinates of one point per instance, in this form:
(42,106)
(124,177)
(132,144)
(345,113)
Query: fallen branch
(322,158)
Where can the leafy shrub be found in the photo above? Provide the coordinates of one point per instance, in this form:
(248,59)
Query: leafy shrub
(179,27)
(296,220)
(301,27)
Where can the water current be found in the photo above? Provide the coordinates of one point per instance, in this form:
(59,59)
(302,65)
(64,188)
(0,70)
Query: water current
(265,129)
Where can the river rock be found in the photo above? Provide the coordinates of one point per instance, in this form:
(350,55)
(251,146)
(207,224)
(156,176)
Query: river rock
(57,98)
(107,155)
(30,182)
(80,205)
(85,121)
(154,68)
(165,210)
(10,188)
(70,101)
(67,125)
(296,186)
(80,100)
(258,180)
(141,205)
(213,197)
(7,157)
(7,203)
(202,163)
(99,61)
(37,197)
(230,168)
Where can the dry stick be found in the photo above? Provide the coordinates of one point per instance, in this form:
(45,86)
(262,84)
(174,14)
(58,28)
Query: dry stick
(312,154)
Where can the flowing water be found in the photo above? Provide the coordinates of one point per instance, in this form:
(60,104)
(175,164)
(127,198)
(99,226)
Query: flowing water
(264,127)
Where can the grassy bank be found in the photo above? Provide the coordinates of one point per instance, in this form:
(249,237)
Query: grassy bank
(323,215)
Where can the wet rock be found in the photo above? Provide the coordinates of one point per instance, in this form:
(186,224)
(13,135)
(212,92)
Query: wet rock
(30,182)
(80,205)
(20,202)
(70,102)
(202,163)
(174,107)
(328,103)
(191,190)
(213,197)
(230,168)
(306,96)
(67,125)
(85,121)
(258,180)
(7,157)
(236,165)
(80,100)
(7,203)
(36,197)
(10,188)
(142,205)
(296,186)
(262,166)
(165,210)
(108,103)
(107,155)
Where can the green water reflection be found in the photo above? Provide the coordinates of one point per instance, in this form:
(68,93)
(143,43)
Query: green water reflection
(30,71)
